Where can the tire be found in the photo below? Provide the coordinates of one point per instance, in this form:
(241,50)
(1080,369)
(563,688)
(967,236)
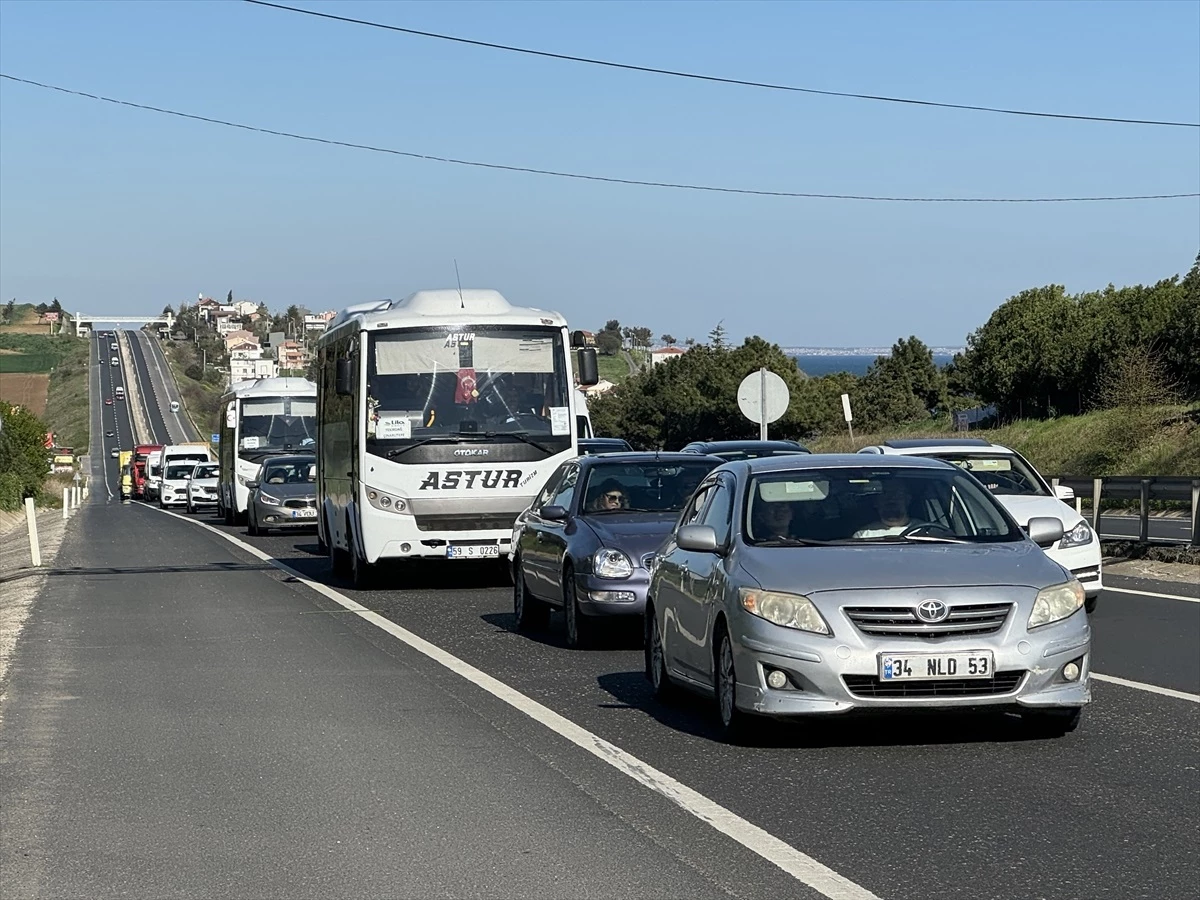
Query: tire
(191,509)
(1090,603)
(362,573)
(656,659)
(529,612)
(227,513)
(579,629)
(736,726)
(252,524)
(1053,723)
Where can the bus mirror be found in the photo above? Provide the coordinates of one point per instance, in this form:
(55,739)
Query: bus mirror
(589,371)
(580,339)
(345,377)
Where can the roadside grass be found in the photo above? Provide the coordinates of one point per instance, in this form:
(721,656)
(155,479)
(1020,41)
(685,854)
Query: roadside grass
(67,411)
(612,368)
(1163,441)
(201,400)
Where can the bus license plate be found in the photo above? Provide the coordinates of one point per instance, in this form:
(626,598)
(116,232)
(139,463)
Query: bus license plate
(473,551)
(926,666)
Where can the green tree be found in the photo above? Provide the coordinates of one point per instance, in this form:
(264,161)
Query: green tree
(717,338)
(23,464)
(608,343)
(667,339)
(229,299)
(9,310)
(55,306)
(168,310)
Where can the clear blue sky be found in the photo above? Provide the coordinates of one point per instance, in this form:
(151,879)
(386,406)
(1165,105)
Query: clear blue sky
(122,211)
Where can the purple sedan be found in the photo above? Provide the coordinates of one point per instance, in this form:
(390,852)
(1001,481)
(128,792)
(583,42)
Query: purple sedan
(587,542)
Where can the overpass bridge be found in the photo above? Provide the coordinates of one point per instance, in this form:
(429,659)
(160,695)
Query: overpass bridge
(84,322)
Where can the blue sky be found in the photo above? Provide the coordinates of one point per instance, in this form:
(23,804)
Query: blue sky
(122,211)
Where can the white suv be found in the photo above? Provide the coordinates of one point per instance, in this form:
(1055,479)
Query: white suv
(1023,492)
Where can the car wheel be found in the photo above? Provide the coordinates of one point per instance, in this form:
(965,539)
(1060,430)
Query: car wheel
(1090,603)
(252,523)
(735,724)
(1052,723)
(578,627)
(227,512)
(656,658)
(529,611)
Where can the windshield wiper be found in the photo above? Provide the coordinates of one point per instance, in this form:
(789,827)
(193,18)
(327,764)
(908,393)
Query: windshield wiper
(520,436)
(930,539)
(396,451)
(794,542)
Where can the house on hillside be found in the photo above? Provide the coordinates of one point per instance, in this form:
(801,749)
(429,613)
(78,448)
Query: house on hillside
(291,356)
(318,321)
(206,307)
(238,336)
(662,354)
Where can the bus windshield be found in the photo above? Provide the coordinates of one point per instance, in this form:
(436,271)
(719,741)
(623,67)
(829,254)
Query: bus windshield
(274,424)
(475,383)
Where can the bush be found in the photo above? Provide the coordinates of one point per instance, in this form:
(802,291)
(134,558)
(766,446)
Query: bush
(194,372)
(22,456)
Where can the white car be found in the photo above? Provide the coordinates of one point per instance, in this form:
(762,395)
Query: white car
(202,486)
(1023,492)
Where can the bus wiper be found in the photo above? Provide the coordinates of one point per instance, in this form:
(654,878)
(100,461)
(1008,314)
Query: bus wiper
(396,451)
(521,436)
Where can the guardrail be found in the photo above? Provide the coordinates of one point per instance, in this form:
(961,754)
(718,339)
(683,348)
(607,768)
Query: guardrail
(1142,488)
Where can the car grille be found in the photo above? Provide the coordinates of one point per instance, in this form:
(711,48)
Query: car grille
(307,503)
(648,560)
(465,522)
(902,621)
(871,686)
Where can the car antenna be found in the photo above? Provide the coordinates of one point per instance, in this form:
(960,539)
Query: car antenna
(462,304)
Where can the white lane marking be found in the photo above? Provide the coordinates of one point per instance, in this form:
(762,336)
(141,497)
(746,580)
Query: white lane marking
(148,348)
(1152,688)
(800,866)
(1118,590)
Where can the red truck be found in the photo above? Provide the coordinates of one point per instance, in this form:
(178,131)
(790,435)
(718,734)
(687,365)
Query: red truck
(140,454)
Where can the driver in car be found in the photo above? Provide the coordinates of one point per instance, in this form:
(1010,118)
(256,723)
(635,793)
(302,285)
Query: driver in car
(892,506)
(772,521)
(611,496)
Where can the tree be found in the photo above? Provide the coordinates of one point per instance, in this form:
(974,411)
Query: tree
(55,306)
(10,310)
(168,310)
(22,456)
(717,337)
(608,343)
(229,299)
(667,339)
(612,325)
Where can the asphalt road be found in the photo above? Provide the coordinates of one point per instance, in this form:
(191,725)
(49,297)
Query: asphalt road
(183,720)
(106,418)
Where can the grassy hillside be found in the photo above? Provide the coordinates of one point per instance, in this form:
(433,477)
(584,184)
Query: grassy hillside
(66,360)
(1110,442)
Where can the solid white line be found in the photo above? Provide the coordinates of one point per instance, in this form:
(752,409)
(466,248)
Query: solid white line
(800,866)
(1118,590)
(1152,688)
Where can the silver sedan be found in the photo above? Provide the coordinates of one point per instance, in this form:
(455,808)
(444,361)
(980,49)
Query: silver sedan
(821,585)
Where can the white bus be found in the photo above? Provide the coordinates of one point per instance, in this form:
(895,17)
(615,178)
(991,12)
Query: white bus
(259,419)
(440,417)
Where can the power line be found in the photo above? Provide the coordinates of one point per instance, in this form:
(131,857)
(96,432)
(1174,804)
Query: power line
(576,175)
(715,78)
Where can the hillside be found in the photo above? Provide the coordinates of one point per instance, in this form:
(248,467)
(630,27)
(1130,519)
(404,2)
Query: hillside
(49,375)
(1098,443)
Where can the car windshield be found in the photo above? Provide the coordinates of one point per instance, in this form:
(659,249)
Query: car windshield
(277,423)
(178,471)
(642,487)
(880,505)
(293,471)
(205,471)
(1000,473)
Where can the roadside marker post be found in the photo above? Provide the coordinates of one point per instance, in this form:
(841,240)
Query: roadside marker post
(35,551)
(849,417)
(66,504)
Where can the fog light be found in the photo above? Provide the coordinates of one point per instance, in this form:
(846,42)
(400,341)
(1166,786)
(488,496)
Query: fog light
(371,495)
(777,679)
(404,548)
(1070,671)
(614,596)
(400,504)
(385,501)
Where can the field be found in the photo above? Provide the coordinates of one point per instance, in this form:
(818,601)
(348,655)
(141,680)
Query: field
(24,389)
(24,321)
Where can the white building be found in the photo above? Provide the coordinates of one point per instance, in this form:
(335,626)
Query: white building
(662,354)
(246,364)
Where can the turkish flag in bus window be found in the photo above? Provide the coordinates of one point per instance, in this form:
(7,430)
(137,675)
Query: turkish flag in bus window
(466,392)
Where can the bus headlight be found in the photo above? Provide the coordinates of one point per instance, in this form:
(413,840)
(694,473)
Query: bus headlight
(386,502)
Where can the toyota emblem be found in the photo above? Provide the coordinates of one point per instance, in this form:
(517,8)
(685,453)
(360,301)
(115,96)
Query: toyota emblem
(932,611)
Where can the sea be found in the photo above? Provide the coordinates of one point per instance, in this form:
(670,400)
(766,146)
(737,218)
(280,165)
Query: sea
(816,365)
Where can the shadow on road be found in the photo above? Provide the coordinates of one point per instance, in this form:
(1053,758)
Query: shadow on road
(29,572)
(608,634)
(694,714)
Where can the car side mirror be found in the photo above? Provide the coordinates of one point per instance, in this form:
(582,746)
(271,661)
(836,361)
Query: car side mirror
(252,485)
(1062,492)
(697,539)
(345,377)
(1045,530)
(589,368)
(554,513)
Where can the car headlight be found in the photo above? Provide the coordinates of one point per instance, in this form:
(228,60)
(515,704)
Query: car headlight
(1078,536)
(788,610)
(1056,603)
(268,499)
(611,564)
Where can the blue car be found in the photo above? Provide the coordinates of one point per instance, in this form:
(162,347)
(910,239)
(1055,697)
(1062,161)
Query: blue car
(586,543)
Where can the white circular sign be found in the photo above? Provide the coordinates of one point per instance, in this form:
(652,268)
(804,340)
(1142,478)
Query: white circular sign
(763,389)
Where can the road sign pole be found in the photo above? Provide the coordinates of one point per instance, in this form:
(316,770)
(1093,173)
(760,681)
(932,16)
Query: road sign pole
(762,393)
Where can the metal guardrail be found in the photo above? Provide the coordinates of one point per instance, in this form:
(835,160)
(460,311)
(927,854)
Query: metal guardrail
(1142,488)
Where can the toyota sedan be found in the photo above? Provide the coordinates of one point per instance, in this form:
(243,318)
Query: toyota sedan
(820,585)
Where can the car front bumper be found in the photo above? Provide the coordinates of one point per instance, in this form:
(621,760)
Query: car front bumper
(830,675)
(613,596)
(280,517)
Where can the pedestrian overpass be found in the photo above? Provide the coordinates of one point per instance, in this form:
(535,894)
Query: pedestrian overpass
(84,322)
